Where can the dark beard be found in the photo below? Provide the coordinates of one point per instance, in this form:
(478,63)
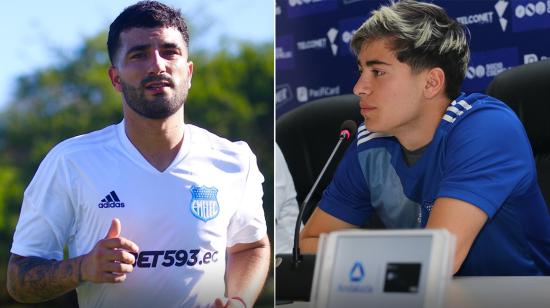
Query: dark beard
(161,107)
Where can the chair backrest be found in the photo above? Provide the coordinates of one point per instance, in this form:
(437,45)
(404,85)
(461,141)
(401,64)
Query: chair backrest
(526,89)
(307,136)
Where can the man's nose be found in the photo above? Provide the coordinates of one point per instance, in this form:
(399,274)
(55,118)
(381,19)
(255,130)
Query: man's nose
(362,86)
(157,63)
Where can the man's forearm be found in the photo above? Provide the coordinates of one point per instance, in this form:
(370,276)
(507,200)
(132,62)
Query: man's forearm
(247,271)
(34,279)
(309,245)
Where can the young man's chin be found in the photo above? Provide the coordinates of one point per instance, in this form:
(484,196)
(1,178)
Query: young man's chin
(371,127)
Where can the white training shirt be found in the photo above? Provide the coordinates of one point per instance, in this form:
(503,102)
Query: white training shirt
(182,219)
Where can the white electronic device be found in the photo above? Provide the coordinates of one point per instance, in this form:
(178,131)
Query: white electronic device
(388,268)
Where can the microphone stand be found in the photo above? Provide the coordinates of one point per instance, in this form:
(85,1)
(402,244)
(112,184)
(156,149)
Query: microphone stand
(294,272)
(296,256)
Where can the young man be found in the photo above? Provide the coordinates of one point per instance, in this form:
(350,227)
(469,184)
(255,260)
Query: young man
(429,156)
(151,207)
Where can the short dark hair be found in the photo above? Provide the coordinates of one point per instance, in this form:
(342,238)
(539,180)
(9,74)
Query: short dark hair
(145,14)
(423,36)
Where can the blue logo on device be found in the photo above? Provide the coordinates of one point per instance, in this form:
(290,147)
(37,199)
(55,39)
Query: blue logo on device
(357,272)
(204,203)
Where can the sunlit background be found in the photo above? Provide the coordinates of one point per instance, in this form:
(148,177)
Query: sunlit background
(54,85)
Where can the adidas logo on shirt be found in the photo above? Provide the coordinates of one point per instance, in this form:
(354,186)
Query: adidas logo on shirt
(111,200)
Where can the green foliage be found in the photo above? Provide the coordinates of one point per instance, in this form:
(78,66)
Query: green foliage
(231,95)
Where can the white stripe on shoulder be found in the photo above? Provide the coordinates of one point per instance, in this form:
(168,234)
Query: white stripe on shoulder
(364,135)
(453,111)
(448,118)
(465,104)
(370,137)
(362,130)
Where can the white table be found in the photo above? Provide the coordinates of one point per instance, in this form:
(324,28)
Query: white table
(503,292)
(489,292)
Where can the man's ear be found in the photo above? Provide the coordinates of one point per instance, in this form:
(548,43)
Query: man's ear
(115,78)
(435,82)
(190,73)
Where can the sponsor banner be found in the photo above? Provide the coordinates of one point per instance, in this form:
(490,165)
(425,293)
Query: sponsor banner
(530,14)
(313,51)
(284,52)
(347,29)
(485,65)
(298,8)
(305,94)
(328,43)
(283,94)
(534,57)
(317,43)
(177,257)
(488,17)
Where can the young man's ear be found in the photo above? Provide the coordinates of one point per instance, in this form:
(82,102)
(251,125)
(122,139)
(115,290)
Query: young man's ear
(115,79)
(435,82)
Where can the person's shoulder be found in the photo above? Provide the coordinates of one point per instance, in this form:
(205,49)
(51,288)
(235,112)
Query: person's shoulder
(478,107)
(483,118)
(84,142)
(205,139)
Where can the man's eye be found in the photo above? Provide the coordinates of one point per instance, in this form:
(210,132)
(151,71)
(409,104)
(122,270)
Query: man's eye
(377,73)
(170,52)
(137,55)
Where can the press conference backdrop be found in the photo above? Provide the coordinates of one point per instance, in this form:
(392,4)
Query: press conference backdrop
(313,59)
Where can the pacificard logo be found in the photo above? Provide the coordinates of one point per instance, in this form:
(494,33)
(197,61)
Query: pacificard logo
(303,94)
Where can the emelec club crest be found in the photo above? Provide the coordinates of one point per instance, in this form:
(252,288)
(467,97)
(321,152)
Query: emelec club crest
(204,203)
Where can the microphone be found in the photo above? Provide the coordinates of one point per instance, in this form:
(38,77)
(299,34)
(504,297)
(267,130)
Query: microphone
(347,129)
(297,269)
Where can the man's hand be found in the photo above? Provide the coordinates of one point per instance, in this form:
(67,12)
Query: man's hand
(320,222)
(110,259)
(33,279)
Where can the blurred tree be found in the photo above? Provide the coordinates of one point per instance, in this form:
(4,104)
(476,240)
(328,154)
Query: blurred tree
(231,95)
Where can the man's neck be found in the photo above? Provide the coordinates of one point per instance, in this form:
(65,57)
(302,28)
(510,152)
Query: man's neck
(422,130)
(158,141)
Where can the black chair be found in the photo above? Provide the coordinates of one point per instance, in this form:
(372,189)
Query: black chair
(526,89)
(307,136)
